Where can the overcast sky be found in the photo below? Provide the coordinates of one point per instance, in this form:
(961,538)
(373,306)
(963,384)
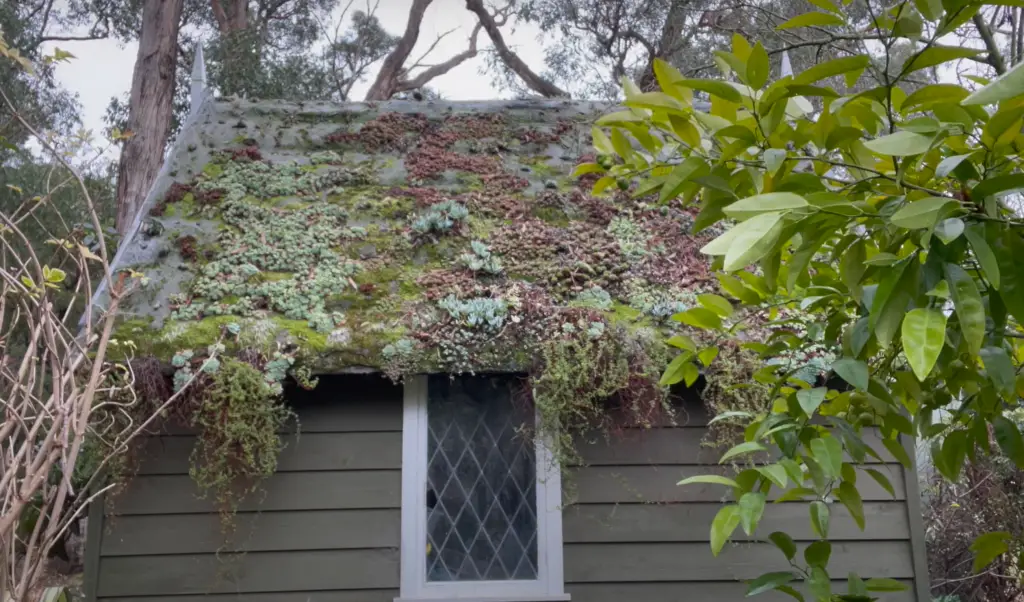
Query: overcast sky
(104,67)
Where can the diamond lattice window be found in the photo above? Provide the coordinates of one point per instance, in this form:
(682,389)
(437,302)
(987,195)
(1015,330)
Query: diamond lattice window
(481,483)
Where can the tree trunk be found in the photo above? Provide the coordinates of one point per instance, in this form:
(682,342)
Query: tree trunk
(150,107)
(391,71)
(671,41)
(231,15)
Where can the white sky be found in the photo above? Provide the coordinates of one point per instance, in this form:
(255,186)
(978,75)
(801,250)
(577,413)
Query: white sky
(104,68)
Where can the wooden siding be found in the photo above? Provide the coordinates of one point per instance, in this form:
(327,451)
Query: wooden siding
(326,528)
(632,534)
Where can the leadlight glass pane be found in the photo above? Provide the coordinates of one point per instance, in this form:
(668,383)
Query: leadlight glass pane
(481,482)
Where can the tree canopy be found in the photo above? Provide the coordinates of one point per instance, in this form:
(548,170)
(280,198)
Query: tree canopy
(880,225)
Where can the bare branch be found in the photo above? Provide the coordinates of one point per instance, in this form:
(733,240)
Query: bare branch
(517,65)
(440,69)
(391,70)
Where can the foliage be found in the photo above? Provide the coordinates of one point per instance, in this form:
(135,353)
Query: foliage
(883,217)
(586,383)
(479,312)
(239,415)
(440,218)
(481,259)
(987,498)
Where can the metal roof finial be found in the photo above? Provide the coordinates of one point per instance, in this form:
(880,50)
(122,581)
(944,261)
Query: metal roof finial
(787,67)
(198,79)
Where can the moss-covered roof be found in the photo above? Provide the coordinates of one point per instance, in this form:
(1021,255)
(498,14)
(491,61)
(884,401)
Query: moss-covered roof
(399,236)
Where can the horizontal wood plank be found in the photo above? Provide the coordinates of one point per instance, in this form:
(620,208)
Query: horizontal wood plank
(177,494)
(252,572)
(253,532)
(622,562)
(350,414)
(598,523)
(671,446)
(714,591)
(638,484)
(360,595)
(308,451)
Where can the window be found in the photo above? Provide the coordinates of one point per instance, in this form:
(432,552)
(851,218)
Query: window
(481,502)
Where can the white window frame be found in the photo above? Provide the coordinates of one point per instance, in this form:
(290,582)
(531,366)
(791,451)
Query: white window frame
(549,585)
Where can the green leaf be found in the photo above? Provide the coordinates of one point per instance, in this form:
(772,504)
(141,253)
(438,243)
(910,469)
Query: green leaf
(762,203)
(1009,439)
(751,510)
(773,159)
(747,447)
(984,255)
(707,355)
(792,593)
(1008,247)
(900,144)
(680,176)
(666,74)
(690,374)
(936,55)
(954,454)
(850,497)
(676,370)
(775,473)
(699,317)
(884,584)
(653,100)
(949,229)
(714,87)
(711,479)
(585,168)
(719,305)
(747,242)
(758,67)
(810,399)
(897,450)
(968,304)
(784,543)
(924,332)
(828,452)
(768,582)
(814,19)
(602,184)
(882,480)
(53,275)
(818,553)
(997,185)
(681,341)
(852,371)
(725,522)
(819,518)
(833,68)
(735,287)
(923,213)
(947,165)
(928,96)
(987,547)
(602,143)
(730,414)
(1007,85)
(1000,369)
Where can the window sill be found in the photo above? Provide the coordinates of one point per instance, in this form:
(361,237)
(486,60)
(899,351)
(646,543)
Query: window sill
(539,598)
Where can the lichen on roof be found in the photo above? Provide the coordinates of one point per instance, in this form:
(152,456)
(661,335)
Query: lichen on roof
(402,236)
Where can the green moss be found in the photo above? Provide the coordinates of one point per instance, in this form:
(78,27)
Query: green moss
(550,215)
(213,170)
(302,334)
(469,181)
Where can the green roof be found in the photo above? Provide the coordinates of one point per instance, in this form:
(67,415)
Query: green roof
(399,236)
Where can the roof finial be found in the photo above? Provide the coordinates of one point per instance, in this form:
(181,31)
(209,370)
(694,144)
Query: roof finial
(787,68)
(198,79)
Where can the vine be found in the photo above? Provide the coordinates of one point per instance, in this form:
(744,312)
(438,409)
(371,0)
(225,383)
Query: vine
(239,417)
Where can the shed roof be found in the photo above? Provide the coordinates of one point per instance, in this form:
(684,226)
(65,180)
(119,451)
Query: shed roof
(396,234)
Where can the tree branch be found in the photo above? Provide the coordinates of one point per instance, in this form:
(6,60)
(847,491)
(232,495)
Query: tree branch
(511,59)
(441,68)
(390,71)
(994,57)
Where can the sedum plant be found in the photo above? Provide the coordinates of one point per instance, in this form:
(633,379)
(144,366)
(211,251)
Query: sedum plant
(887,217)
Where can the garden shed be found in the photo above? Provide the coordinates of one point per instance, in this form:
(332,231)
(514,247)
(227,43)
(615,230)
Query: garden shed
(458,295)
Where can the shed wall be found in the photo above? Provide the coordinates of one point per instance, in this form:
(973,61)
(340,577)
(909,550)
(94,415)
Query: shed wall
(327,528)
